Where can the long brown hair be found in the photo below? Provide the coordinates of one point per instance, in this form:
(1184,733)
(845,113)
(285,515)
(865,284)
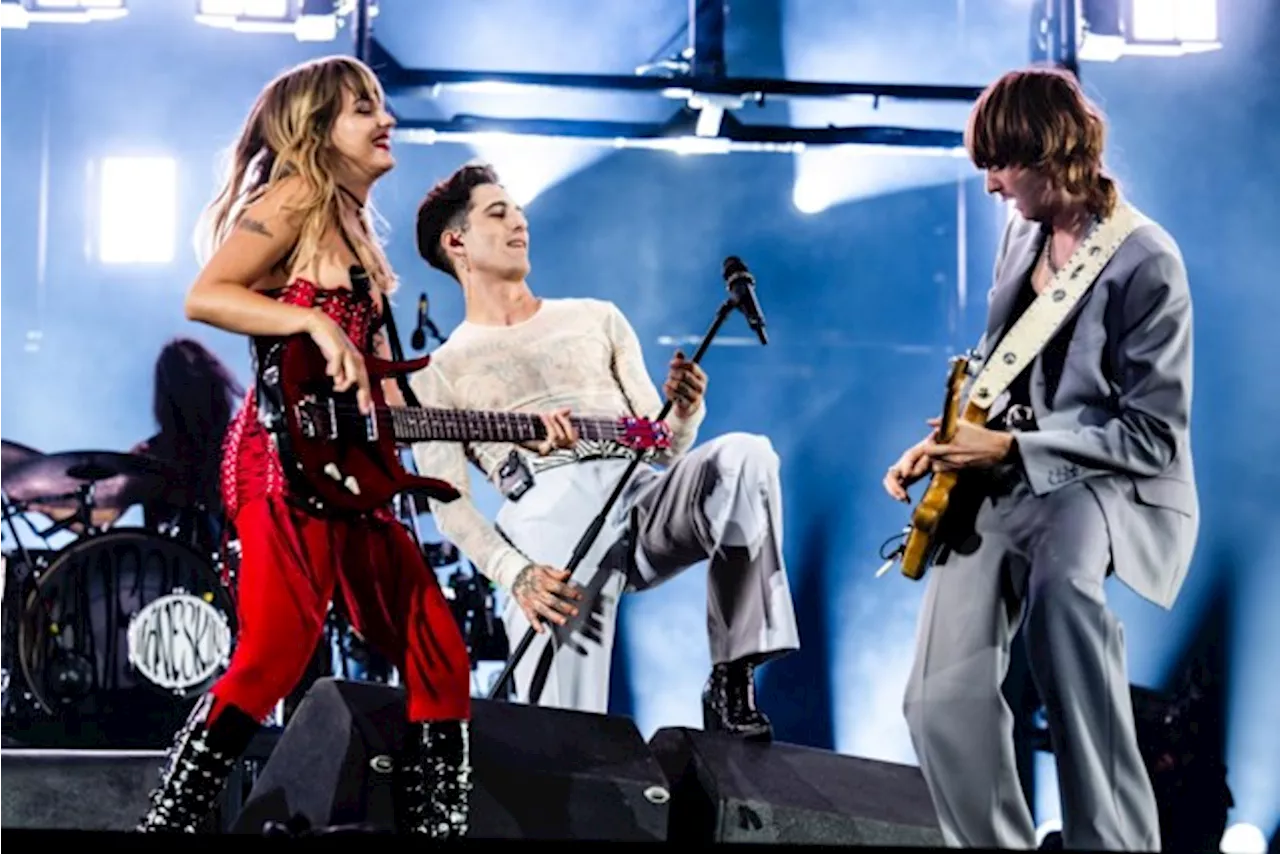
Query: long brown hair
(1039,118)
(288,133)
(193,400)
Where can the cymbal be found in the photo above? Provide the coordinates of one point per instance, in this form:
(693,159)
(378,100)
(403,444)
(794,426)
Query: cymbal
(13,453)
(120,480)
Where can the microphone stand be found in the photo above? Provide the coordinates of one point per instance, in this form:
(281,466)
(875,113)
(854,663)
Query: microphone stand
(397,354)
(737,299)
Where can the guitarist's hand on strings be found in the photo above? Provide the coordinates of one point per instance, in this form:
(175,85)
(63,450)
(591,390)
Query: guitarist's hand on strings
(972,446)
(910,467)
(546,594)
(346,364)
(560,433)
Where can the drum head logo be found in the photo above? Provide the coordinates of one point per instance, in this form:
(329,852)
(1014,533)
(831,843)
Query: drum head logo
(178,641)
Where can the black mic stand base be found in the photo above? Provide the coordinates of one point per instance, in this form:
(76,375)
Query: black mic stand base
(597,524)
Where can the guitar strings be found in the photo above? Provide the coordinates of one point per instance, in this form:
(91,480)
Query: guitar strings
(600,428)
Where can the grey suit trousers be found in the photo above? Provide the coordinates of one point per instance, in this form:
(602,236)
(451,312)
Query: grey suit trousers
(720,501)
(1042,561)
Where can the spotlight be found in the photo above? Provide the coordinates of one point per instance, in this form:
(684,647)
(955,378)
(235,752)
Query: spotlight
(20,14)
(1243,839)
(318,21)
(305,20)
(1110,29)
(265,10)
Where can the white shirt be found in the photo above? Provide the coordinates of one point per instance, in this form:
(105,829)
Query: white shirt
(579,354)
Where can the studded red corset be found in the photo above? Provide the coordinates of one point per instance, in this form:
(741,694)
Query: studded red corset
(250,466)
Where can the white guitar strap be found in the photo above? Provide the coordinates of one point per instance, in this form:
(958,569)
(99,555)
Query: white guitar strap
(1042,318)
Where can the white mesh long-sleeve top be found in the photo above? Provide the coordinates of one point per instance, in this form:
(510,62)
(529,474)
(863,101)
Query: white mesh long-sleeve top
(579,354)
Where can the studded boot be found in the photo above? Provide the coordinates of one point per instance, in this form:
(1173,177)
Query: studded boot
(199,762)
(434,780)
(729,702)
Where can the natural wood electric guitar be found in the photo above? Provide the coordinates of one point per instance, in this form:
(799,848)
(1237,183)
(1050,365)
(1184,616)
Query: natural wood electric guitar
(339,460)
(923,534)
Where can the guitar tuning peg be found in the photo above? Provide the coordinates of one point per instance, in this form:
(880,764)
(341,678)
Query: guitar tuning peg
(352,485)
(331,469)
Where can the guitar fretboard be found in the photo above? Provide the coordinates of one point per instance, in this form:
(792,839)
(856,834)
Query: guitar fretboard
(413,424)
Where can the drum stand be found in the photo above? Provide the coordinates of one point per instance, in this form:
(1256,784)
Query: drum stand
(21,576)
(10,599)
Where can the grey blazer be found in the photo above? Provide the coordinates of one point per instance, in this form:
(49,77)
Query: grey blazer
(1113,401)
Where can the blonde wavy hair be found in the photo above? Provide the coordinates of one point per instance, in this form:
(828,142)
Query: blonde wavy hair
(288,133)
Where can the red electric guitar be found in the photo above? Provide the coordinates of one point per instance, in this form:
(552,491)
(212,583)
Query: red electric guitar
(340,461)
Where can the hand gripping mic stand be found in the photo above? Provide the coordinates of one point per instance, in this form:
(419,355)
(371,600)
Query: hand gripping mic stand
(741,297)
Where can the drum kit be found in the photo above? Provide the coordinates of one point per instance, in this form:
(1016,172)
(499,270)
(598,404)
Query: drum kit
(111,638)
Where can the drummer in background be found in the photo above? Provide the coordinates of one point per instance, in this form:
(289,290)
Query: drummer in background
(193,400)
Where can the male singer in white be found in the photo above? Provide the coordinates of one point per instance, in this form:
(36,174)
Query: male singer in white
(721,501)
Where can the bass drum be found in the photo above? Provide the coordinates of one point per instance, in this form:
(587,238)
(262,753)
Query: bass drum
(121,635)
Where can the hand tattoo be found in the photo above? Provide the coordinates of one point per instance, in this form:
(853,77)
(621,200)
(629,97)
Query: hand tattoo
(255,226)
(523,585)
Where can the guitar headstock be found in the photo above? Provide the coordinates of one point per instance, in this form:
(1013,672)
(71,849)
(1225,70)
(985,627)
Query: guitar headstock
(643,434)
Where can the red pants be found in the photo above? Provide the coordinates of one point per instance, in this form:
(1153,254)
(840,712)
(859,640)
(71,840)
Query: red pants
(289,564)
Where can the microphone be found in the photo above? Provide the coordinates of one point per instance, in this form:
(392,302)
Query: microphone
(743,287)
(419,337)
(424,320)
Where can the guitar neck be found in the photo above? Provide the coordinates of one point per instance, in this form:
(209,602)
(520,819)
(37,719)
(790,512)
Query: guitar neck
(424,424)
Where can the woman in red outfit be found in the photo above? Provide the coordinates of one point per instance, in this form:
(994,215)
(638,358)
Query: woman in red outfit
(294,253)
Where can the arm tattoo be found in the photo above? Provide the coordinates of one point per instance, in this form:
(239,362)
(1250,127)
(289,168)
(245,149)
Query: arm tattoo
(379,342)
(255,226)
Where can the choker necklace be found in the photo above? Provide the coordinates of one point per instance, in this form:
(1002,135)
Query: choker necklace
(353,197)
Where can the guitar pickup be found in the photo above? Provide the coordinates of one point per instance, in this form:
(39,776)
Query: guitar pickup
(314,421)
(333,419)
(371,427)
(306,419)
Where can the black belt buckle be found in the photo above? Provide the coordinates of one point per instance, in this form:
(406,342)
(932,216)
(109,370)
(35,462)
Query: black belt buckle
(514,477)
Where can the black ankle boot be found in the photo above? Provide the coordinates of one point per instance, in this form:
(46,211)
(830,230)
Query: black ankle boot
(434,784)
(199,763)
(729,702)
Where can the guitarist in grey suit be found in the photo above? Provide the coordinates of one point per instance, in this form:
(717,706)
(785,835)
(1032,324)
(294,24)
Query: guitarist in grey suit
(1083,468)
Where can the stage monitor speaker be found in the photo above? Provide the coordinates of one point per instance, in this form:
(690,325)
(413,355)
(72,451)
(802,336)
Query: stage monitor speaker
(537,773)
(727,790)
(79,789)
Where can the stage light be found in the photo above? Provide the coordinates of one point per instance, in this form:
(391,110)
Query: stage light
(261,9)
(305,20)
(809,198)
(317,22)
(137,210)
(20,14)
(1174,21)
(228,8)
(1243,839)
(13,16)
(74,5)
(1110,29)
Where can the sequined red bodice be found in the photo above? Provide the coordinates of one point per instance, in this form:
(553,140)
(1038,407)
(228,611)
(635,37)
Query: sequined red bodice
(250,466)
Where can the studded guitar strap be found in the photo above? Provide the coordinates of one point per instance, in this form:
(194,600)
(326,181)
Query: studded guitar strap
(1045,315)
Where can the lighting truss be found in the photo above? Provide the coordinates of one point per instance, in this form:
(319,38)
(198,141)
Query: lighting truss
(702,123)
